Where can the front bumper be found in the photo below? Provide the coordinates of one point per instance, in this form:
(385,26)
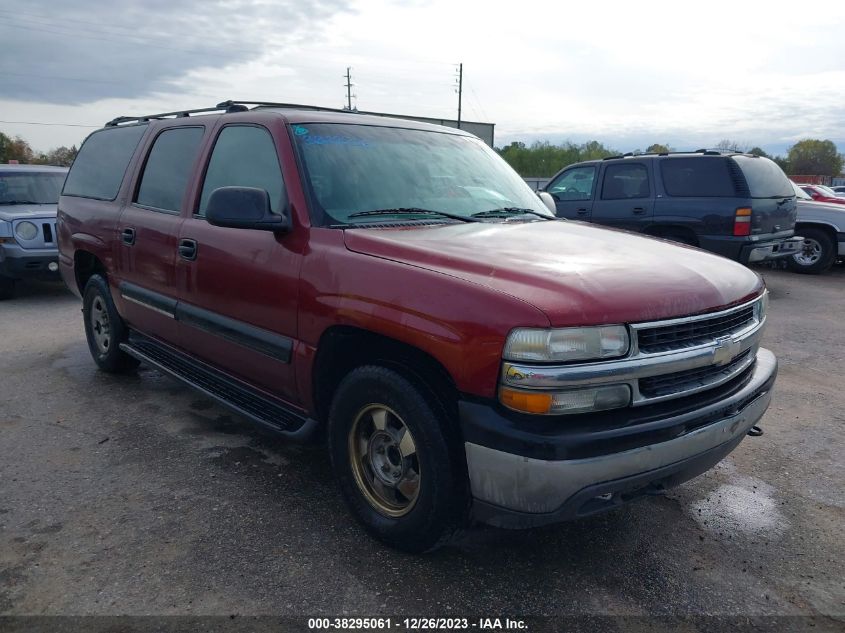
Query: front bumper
(776,249)
(19,263)
(513,487)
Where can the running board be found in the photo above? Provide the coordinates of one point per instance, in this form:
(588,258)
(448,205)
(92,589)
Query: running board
(269,413)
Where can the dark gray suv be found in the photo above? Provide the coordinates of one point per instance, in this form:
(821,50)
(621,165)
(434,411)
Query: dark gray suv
(740,206)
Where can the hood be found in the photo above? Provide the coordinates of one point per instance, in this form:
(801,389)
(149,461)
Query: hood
(811,205)
(9,212)
(576,273)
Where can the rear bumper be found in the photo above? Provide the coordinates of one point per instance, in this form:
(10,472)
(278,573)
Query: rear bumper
(775,249)
(516,490)
(18,263)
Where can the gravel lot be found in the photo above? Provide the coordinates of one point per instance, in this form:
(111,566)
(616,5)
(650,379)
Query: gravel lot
(134,495)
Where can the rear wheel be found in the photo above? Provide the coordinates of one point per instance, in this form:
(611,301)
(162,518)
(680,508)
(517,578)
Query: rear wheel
(7,288)
(399,468)
(104,328)
(817,252)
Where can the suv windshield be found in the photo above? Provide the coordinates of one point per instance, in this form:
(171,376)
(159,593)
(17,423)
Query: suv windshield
(359,168)
(17,187)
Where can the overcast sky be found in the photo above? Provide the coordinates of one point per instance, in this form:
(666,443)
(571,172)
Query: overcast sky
(623,73)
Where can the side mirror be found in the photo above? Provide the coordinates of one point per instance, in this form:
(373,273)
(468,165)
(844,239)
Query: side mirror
(244,208)
(547,199)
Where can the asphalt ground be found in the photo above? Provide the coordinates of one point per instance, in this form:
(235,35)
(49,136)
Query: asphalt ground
(134,495)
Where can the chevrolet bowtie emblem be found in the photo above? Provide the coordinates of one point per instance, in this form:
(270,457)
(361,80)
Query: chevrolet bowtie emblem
(725,350)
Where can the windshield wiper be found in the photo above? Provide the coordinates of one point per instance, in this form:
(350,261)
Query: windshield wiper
(412,211)
(21,202)
(492,213)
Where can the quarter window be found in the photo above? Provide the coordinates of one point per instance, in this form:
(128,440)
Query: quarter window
(697,177)
(625,180)
(574,184)
(102,161)
(244,156)
(168,168)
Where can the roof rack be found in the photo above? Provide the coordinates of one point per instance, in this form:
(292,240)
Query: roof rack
(229,106)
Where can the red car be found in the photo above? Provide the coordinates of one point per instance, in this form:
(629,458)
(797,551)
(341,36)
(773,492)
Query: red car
(821,194)
(395,288)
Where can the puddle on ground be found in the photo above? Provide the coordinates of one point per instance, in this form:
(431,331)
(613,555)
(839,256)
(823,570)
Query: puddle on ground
(744,505)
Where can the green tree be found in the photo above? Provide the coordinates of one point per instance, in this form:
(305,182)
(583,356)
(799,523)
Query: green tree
(757,151)
(657,148)
(542,159)
(815,157)
(15,149)
(61,156)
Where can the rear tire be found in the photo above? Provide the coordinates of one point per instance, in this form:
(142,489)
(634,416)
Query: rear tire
(818,252)
(399,464)
(104,328)
(7,288)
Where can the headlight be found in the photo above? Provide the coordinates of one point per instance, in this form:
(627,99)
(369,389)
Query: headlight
(26,230)
(567,344)
(761,307)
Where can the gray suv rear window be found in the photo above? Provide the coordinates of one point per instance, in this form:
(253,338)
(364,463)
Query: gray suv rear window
(102,161)
(765,179)
(699,177)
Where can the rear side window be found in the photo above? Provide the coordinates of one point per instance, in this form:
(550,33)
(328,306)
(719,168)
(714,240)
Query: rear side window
(244,156)
(102,161)
(765,179)
(701,177)
(625,180)
(168,168)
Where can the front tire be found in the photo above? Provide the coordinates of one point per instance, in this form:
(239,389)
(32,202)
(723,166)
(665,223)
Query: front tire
(104,328)
(817,253)
(399,464)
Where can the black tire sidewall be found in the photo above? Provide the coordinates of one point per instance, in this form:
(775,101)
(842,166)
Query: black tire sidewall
(825,261)
(440,506)
(114,360)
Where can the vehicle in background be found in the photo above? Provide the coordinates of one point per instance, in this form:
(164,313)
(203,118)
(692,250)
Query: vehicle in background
(820,193)
(397,289)
(839,190)
(740,206)
(822,227)
(28,197)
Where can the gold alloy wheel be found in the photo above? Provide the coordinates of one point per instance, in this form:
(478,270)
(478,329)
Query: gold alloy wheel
(384,460)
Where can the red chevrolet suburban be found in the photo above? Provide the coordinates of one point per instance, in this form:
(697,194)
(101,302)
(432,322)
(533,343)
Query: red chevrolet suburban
(396,288)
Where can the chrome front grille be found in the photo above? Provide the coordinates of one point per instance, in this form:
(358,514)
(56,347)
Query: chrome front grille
(664,338)
(702,377)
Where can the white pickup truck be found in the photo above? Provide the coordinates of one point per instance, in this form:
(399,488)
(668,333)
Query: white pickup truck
(822,225)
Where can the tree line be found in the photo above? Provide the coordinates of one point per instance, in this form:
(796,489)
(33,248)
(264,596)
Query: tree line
(18,149)
(542,159)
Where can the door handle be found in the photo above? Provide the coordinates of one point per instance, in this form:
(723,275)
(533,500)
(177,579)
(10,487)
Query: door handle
(128,236)
(581,211)
(188,249)
(639,210)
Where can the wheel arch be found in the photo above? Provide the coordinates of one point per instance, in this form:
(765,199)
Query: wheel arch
(342,348)
(666,230)
(85,265)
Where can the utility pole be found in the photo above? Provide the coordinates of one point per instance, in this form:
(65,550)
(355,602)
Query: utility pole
(349,85)
(460,90)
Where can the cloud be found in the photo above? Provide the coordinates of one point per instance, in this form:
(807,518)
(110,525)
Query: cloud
(88,50)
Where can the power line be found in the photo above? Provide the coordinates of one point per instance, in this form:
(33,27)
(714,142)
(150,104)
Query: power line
(43,123)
